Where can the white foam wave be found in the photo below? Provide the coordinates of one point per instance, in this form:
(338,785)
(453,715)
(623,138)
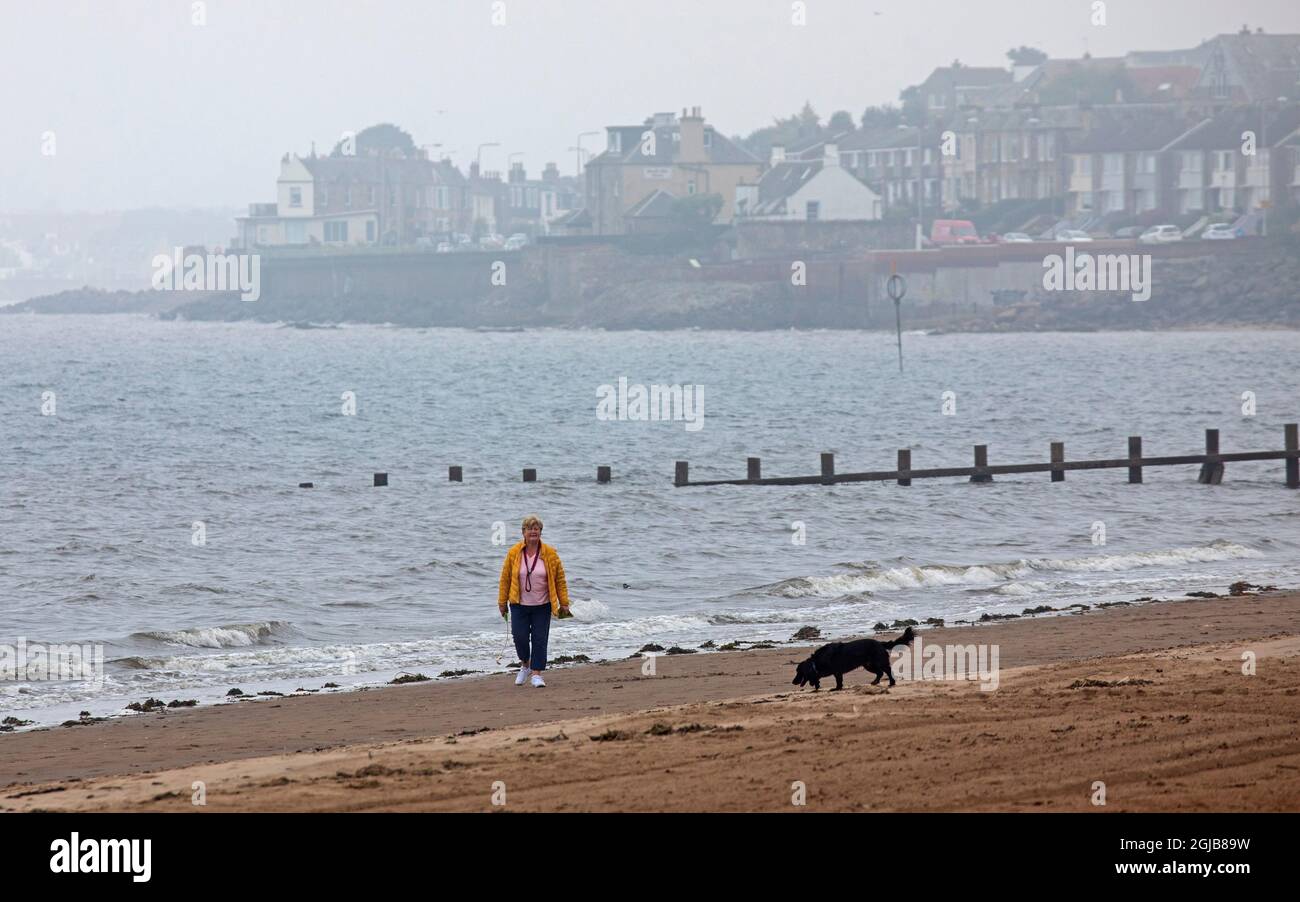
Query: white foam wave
(912,577)
(234,635)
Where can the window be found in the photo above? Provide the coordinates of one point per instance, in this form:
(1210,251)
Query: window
(347,196)
(336,231)
(295,232)
(1114,163)
(1082,166)
(615,142)
(324,196)
(370,231)
(909,158)
(532,198)
(392,196)
(1224,160)
(813,210)
(370,195)
(295,197)
(1192,161)
(690,187)
(929,156)
(708,137)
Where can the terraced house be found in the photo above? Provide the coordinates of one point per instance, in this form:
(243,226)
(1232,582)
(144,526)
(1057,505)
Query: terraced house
(1121,164)
(1242,161)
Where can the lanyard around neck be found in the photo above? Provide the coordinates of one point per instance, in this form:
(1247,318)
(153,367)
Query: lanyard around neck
(528,568)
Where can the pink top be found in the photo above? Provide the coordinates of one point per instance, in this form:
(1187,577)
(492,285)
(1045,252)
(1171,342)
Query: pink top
(538,594)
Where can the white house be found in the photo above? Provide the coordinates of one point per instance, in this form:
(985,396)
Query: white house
(811,190)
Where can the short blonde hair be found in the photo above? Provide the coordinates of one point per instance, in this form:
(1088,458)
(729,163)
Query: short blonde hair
(531,520)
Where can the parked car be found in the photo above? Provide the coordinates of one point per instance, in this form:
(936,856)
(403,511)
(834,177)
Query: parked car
(445,247)
(1222,231)
(1072,235)
(1161,234)
(953,231)
(1016,238)
(1129,232)
(516,241)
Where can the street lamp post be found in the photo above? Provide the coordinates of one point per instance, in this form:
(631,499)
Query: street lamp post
(578,148)
(478,157)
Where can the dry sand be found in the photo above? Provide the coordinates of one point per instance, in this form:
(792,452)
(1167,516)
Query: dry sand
(1198,735)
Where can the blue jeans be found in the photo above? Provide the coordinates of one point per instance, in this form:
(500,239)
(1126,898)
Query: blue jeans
(534,621)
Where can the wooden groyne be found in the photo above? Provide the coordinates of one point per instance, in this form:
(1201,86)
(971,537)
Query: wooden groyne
(1211,463)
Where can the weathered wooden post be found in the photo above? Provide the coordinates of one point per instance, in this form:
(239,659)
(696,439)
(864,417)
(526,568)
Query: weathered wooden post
(1212,469)
(1058,457)
(828,468)
(530,475)
(454,474)
(1134,458)
(602,474)
(381,479)
(306,485)
(1292,463)
(981,462)
(683,475)
(904,465)
(753,469)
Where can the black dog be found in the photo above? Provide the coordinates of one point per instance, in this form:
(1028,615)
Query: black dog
(838,658)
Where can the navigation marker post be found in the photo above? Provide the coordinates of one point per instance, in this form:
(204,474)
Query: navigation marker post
(896,288)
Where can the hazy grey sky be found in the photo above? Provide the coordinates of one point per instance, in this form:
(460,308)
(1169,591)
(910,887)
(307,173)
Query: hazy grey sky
(149,109)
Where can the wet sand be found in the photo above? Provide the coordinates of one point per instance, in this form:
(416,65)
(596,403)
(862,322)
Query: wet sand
(1173,725)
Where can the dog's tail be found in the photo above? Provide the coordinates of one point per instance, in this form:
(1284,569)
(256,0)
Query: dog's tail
(905,639)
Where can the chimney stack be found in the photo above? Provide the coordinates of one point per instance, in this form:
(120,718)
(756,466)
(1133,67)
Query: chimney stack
(692,132)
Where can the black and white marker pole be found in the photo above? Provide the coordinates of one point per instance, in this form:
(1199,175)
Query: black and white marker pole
(896,287)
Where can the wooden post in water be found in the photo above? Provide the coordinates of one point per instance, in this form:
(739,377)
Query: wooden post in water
(1058,457)
(981,460)
(828,468)
(683,475)
(603,474)
(306,485)
(904,464)
(1212,469)
(530,475)
(1134,456)
(381,479)
(454,474)
(1292,463)
(753,468)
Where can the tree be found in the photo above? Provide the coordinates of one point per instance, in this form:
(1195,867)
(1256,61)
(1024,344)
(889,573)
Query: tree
(840,122)
(695,210)
(795,129)
(382,137)
(913,105)
(1026,56)
(886,116)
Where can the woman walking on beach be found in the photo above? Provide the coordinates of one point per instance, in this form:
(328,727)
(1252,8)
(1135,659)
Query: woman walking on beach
(532,580)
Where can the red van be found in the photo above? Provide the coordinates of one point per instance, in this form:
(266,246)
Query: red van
(953,231)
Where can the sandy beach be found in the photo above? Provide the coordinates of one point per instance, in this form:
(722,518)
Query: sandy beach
(1150,700)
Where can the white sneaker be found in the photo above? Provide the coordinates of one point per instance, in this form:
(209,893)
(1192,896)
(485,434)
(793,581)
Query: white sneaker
(523,676)
(538,682)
